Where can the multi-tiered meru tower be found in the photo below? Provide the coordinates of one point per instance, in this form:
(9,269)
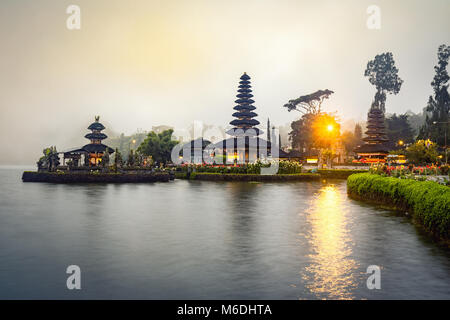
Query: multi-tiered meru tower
(245,146)
(96,148)
(374,148)
(244,124)
(92,152)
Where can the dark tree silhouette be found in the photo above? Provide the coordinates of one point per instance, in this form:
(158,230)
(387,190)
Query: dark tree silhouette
(383,75)
(301,133)
(358,134)
(310,103)
(398,128)
(437,118)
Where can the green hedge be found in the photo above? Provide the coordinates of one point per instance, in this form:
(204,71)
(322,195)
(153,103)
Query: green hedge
(427,201)
(338,173)
(253,177)
(284,167)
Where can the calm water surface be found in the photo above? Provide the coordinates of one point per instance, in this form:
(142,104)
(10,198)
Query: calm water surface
(207,240)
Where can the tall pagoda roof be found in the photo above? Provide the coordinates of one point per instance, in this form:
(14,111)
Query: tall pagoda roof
(96,136)
(375,140)
(248,142)
(372,148)
(241,107)
(244,101)
(247,114)
(96,126)
(244,124)
(97,148)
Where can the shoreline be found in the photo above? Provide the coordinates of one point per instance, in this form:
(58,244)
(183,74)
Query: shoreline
(304,176)
(425,202)
(135,176)
(54,177)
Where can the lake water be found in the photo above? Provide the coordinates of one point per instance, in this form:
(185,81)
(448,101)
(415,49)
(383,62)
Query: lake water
(209,240)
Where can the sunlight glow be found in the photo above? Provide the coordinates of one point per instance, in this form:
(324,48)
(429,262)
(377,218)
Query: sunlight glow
(331,271)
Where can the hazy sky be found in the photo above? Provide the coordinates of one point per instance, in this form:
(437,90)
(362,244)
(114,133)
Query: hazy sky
(145,63)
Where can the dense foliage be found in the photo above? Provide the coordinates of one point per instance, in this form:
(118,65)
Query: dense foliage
(428,201)
(311,131)
(125,143)
(284,167)
(158,145)
(310,103)
(422,152)
(398,129)
(50,159)
(383,74)
(437,120)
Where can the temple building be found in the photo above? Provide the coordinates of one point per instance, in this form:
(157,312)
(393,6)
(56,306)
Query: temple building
(244,146)
(92,152)
(194,151)
(374,148)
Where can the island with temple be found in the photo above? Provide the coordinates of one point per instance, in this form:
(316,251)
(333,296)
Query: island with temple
(90,163)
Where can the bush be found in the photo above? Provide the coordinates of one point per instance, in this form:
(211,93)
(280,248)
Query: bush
(285,167)
(428,201)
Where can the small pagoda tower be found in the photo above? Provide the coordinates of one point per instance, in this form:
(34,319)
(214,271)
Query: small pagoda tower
(244,111)
(374,148)
(96,149)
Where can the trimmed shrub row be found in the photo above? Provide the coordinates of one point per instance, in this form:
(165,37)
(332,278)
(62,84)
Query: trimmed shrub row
(284,167)
(427,201)
(338,173)
(253,177)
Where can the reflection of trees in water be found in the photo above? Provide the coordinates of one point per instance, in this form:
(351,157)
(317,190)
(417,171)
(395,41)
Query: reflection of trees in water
(95,197)
(243,204)
(240,233)
(331,272)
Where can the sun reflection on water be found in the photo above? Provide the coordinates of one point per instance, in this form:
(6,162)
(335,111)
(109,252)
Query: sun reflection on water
(331,272)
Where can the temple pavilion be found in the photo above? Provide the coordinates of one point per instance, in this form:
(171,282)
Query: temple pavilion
(92,152)
(244,146)
(374,148)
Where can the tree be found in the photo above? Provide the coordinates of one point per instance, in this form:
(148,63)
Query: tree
(349,141)
(398,129)
(118,160)
(325,131)
(105,158)
(436,122)
(301,133)
(383,75)
(358,134)
(314,131)
(416,120)
(422,152)
(131,159)
(310,103)
(159,146)
(50,159)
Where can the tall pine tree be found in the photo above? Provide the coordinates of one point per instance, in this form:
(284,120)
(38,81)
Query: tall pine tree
(436,122)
